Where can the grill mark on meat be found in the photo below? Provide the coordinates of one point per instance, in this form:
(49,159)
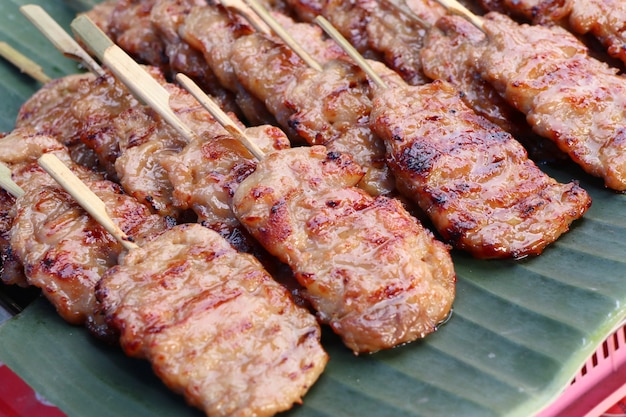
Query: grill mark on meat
(332,248)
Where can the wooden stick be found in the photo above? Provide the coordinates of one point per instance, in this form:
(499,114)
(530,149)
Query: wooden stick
(350,50)
(84,196)
(24,64)
(243,9)
(453,6)
(130,73)
(283,34)
(219,115)
(7,183)
(59,37)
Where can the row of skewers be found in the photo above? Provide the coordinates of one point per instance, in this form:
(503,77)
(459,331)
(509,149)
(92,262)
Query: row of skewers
(137,336)
(341,120)
(270,202)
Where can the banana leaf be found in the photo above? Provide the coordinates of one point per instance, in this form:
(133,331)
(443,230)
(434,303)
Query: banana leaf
(519,332)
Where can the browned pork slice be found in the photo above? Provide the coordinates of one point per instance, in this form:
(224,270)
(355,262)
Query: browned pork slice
(604,19)
(206,173)
(449,54)
(63,250)
(267,68)
(18,149)
(379,29)
(208,170)
(399,37)
(148,30)
(212,30)
(47,112)
(213,323)
(471,178)
(567,96)
(371,271)
(329,107)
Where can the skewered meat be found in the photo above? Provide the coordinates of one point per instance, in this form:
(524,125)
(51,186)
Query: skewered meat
(212,32)
(62,249)
(214,324)
(394,34)
(139,27)
(19,148)
(473,180)
(378,29)
(604,19)
(568,97)
(370,270)
(337,119)
(206,173)
(449,54)
(151,160)
(46,112)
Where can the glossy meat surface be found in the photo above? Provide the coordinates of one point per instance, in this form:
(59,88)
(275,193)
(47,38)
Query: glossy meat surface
(213,323)
(567,96)
(449,55)
(370,269)
(604,19)
(379,29)
(471,178)
(63,250)
(339,116)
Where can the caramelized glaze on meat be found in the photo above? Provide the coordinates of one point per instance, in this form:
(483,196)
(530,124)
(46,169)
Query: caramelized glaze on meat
(473,180)
(379,29)
(339,116)
(370,269)
(567,96)
(63,250)
(213,323)
(604,19)
(448,56)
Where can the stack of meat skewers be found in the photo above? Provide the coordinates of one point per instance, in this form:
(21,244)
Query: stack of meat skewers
(160,304)
(420,318)
(273,73)
(604,19)
(250,201)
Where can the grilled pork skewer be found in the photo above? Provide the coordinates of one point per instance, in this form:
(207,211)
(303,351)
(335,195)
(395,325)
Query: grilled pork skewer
(371,271)
(378,30)
(338,119)
(213,323)
(473,180)
(204,21)
(395,32)
(603,19)
(152,162)
(567,96)
(62,250)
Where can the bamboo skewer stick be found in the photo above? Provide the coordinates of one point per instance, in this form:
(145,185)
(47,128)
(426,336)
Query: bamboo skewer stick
(283,34)
(219,115)
(243,9)
(130,73)
(453,6)
(24,64)
(7,183)
(84,196)
(350,50)
(59,37)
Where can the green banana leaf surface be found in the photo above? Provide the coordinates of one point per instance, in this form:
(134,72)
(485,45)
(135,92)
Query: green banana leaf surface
(519,332)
